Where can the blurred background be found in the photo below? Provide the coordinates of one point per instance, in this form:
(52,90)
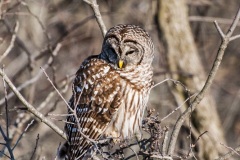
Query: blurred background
(59,34)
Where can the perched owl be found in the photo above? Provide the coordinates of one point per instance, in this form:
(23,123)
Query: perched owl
(110,91)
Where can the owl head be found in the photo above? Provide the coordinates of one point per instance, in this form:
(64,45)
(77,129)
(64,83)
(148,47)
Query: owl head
(127,46)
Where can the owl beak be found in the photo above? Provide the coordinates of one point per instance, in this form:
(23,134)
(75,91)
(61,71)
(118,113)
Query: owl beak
(120,63)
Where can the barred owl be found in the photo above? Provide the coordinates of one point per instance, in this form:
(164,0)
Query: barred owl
(111,90)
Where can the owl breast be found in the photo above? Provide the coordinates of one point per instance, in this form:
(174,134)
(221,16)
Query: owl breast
(127,120)
(135,90)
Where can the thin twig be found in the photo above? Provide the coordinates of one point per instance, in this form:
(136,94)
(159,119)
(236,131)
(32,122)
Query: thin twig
(165,80)
(6,137)
(7,144)
(219,29)
(4,154)
(95,7)
(136,155)
(37,18)
(59,115)
(6,106)
(234,37)
(10,47)
(174,81)
(211,19)
(230,148)
(229,154)
(24,85)
(35,148)
(165,140)
(194,145)
(178,107)
(211,76)
(20,137)
(55,87)
(19,41)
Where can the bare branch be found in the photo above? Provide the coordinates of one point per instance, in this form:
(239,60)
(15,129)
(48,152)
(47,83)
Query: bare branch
(211,19)
(24,85)
(10,47)
(37,18)
(178,107)
(7,143)
(165,140)
(230,149)
(194,144)
(55,87)
(18,41)
(35,148)
(6,137)
(165,80)
(229,154)
(234,37)
(4,154)
(6,105)
(31,108)
(234,24)
(20,137)
(95,7)
(219,29)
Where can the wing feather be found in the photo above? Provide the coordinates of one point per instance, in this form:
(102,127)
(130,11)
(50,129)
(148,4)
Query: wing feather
(96,98)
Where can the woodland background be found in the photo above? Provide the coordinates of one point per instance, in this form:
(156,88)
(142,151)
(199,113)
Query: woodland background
(59,34)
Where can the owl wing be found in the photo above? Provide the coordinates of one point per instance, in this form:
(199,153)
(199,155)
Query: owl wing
(96,97)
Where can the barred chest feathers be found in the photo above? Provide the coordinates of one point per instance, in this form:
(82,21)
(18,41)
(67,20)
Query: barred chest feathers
(127,121)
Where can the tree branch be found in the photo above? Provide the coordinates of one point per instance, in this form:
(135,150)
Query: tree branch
(229,154)
(95,8)
(31,108)
(211,76)
(7,143)
(211,19)
(10,47)
(219,29)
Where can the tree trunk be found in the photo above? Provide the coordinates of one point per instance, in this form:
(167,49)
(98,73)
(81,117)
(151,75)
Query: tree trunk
(186,67)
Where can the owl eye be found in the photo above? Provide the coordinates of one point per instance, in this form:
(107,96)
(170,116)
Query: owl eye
(130,52)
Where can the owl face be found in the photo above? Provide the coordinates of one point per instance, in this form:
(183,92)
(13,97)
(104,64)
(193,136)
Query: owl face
(127,46)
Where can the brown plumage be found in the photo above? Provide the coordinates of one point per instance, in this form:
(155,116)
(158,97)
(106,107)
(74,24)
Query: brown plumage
(110,90)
